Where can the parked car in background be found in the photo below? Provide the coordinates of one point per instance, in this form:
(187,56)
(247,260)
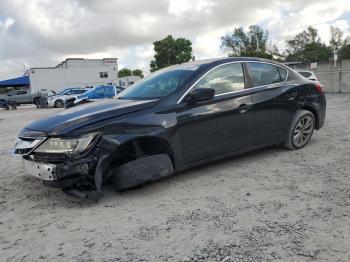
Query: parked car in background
(3,103)
(176,118)
(25,97)
(19,97)
(59,99)
(96,93)
(308,74)
(119,89)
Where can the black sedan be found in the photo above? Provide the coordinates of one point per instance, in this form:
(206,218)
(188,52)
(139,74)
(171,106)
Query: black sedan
(176,118)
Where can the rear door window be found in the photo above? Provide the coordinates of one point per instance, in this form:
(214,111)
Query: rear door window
(262,74)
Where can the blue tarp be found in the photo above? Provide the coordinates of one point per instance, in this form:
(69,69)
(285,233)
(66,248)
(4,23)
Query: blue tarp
(18,81)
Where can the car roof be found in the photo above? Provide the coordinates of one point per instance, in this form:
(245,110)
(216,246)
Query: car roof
(208,62)
(302,70)
(74,88)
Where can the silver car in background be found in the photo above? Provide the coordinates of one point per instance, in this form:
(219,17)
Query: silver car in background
(59,99)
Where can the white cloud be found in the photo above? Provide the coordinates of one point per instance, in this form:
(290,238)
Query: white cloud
(44,32)
(6,24)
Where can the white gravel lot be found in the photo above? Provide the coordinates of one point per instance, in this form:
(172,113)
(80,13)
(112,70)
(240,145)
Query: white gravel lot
(268,205)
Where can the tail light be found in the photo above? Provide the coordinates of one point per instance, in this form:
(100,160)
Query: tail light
(319,88)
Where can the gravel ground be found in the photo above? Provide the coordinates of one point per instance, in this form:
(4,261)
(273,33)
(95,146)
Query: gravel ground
(268,205)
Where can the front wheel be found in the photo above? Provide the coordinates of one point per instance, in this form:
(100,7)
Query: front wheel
(139,171)
(301,130)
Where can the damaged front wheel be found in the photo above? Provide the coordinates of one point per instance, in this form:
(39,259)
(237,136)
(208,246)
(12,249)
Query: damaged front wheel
(139,171)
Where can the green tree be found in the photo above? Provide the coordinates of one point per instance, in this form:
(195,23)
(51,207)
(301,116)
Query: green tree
(124,72)
(336,41)
(338,44)
(307,47)
(170,51)
(137,72)
(345,50)
(253,42)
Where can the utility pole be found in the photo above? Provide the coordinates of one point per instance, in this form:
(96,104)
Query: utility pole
(335,57)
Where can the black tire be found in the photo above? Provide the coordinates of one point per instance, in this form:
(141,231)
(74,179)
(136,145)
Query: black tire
(139,171)
(301,130)
(36,101)
(58,103)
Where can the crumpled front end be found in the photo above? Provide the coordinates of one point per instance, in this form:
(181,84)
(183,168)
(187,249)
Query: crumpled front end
(75,164)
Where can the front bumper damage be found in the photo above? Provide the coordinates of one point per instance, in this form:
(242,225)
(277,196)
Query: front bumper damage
(81,177)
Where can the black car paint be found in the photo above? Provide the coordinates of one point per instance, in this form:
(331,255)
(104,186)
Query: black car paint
(195,133)
(66,121)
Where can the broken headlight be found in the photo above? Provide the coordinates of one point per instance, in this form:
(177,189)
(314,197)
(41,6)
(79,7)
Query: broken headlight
(67,145)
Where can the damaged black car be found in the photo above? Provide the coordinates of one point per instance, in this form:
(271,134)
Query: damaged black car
(176,118)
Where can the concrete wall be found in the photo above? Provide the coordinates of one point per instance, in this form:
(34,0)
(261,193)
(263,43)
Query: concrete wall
(336,79)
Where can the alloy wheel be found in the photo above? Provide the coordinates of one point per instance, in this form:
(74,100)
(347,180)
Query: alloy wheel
(59,104)
(303,131)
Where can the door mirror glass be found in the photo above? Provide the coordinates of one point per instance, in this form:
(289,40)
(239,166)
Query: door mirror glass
(200,95)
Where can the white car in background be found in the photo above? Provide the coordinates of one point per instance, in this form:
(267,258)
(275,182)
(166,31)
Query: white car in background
(59,99)
(308,74)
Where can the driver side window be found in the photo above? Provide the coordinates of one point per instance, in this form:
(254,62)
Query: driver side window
(224,79)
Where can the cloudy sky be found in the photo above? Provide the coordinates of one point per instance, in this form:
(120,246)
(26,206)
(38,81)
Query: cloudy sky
(37,33)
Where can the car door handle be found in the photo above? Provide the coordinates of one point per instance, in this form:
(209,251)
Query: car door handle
(292,96)
(243,108)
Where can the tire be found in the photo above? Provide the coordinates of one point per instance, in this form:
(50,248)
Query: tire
(139,171)
(36,101)
(301,130)
(58,103)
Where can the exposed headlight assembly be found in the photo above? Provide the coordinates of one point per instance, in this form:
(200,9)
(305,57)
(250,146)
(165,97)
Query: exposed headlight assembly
(67,145)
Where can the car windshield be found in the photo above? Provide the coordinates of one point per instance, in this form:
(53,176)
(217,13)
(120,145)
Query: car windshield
(63,92)
(157,85)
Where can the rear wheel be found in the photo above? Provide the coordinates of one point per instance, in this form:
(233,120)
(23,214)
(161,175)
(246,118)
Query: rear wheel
(58,103)
(139,171)
(301,130)
(36,101)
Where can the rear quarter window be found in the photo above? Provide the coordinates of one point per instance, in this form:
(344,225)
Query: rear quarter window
(305,74)
(283,73)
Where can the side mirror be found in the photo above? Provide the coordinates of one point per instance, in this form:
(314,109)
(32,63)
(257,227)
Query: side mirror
(200,95)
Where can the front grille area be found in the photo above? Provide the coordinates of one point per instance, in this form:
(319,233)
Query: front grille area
(50,158)
(25,145)
(22,151)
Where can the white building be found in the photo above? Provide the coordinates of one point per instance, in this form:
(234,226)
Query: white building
(127,80)
(74,72)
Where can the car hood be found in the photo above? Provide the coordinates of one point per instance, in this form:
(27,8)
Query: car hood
(70,119)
